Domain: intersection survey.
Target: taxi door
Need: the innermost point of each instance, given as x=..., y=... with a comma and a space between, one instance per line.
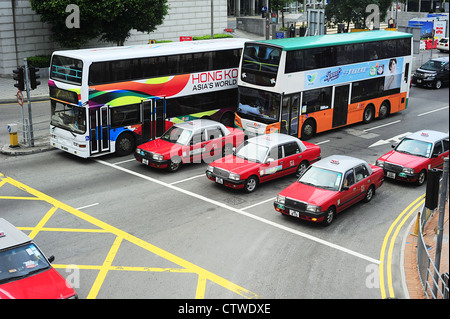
x=273, y=168
x=197, y=146
x=349, y=192
x=213, y=148
x=438, y=155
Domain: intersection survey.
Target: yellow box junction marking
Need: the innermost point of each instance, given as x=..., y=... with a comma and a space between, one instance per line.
x=186, y=267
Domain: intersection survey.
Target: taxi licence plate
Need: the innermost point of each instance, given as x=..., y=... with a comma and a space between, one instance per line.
x=219, y=180
x=294, y=213
x=145, y=161
x=390, y=174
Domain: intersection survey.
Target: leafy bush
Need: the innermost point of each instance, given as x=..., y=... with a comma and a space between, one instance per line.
x=216, y=36
x=39, y=61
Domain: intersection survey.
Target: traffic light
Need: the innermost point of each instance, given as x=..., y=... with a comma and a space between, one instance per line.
x=19, y=77
x=34, y=74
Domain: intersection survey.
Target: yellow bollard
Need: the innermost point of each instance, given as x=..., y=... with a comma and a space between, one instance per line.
x=416, y=228
x=13, y=139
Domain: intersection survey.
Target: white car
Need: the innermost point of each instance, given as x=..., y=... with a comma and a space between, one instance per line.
x=443, y=45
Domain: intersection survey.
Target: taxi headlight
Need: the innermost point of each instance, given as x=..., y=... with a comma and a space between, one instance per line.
x=210, y=168
x=313, y=208
x=157, y=157
x=281, y=199
x=234, y=176
x=408, y=170
x=380, y=163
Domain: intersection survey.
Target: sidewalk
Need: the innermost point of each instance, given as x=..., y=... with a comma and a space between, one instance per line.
x=413, y=282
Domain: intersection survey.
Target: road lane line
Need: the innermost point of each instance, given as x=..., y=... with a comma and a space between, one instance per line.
x=104, y=268
x=385, y=242
x=241, y=212
x=188, y=179
x=87, y=206
x=391, y=248
x=260, y=203
x=440, y=109
x=42, y=222
x=188, y=267
x=379, y=126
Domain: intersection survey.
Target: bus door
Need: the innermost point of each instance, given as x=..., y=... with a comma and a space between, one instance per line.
x=340, y=105
x=290, y=114
x=153, y=118
x=100, y=124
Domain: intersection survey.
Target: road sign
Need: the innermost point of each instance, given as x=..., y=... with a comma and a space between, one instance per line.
x=19, y=96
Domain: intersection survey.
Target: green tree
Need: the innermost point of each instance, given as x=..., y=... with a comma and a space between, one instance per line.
x=278, y=5
x=348, y=11
x=109, y=20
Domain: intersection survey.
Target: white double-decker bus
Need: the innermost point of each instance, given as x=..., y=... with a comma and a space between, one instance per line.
x=107, y=100
x=302, y=86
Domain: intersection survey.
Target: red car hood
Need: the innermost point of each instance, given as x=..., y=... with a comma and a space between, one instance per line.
x=308, y=194
x=48, y=284
x=235, y=164
x=403, y=159
x=161, y=147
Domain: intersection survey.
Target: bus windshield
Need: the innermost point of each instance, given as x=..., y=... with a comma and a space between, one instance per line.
x=69, y=117
x=261, y=58
x=66, y=69
x=259, y=105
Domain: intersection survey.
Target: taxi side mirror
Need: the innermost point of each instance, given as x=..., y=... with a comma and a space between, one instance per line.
x=51, y=259
x=393, y=145
x=345, y=188
x=269, y=160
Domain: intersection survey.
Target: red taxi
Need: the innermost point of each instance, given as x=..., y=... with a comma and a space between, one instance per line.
x=189, y=142
x=411, y=159
x=261, y=159
x=328, y=187
x=25, y=273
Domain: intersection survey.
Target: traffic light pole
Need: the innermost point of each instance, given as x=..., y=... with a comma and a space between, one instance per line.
x=30, y=119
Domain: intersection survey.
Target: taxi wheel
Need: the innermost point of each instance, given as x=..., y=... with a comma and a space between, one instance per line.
x=421, y=178
x=369, y=194
x=174, y=165
x=227, y=150
x=329, y=217
x=302, y=167
x=250, y=184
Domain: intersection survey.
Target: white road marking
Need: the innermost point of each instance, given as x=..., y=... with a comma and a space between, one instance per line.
x=442, y=108
x=188, y=179
x=126, y=161
x=257, y=204
x=241, y=212
x=83, y=207
x=374, y=128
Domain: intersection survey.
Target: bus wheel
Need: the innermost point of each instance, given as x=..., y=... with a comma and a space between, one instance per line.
x=125, y=144
x=384, y=111
x=369, y=114
x=228, y=119
x=308, y=130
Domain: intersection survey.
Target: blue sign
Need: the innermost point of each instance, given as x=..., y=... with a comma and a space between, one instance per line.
x=391, y=69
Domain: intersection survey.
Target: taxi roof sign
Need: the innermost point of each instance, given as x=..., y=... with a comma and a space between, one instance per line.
x=333, y=161
x=2, y=233
x=11, y=235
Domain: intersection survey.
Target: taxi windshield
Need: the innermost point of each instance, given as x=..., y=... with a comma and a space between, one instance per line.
x=414, y=147
x=252, y=152
x=177, y=135
x=321, y=178
x=21, y=262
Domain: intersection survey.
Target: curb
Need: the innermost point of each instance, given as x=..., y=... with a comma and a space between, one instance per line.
x=40, y=145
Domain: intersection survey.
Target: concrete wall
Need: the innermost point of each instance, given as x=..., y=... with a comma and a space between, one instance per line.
x=32, y=37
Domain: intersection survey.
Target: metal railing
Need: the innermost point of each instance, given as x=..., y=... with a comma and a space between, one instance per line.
x=434, y=283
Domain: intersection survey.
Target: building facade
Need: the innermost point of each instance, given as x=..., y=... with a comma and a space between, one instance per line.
x=22, y=34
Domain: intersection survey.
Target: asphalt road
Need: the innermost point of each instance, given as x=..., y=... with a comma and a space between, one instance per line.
x=136, y=232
